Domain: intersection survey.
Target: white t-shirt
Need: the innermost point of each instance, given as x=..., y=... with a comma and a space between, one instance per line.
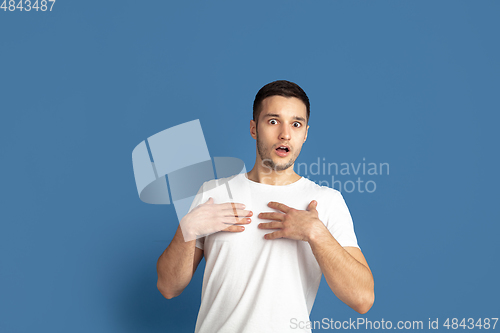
x=255, y=285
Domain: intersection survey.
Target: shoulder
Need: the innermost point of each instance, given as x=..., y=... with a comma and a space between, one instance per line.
x=216, y=188
x=214, y=183
x=325, y=192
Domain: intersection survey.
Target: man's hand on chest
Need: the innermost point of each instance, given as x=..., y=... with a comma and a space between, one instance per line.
x=292, y=223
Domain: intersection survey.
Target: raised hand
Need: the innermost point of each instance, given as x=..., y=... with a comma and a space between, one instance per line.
x=292, y=223
x=209, y=218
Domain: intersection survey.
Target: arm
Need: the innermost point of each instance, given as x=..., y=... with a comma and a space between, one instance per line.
x=345, y=269
x=176, y=265
x=179, y=261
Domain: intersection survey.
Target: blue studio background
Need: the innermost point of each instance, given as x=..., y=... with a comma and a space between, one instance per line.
x=410, y=83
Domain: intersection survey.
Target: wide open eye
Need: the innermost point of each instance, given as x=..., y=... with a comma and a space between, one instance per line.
x=273, y=121
x=297, y=124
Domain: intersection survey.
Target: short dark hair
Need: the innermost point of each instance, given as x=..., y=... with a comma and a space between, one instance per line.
x=279, y=88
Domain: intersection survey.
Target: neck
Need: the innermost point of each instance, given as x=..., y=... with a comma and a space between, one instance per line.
x=265, y=175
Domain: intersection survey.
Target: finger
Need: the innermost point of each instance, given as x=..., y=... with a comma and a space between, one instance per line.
x=232, y=205
x=210, y=201
x=272, y=216
x=279, y=206
x=274, y=235
x=234, y=220
x=312, y=205
x=238, y=212
x=271, y=225
x=234, y=228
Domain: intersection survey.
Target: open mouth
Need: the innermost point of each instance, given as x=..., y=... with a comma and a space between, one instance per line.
x=282, y=150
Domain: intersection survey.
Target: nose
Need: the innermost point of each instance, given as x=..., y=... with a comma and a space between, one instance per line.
x=285, y=132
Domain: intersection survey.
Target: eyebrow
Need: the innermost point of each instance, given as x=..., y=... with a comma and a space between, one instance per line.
x=278, y=116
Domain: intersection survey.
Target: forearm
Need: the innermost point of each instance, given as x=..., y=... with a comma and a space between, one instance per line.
x=175, y=266
x=348, y=278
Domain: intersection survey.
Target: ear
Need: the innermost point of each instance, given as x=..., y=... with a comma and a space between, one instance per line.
x=253, y=129
x=307, y=130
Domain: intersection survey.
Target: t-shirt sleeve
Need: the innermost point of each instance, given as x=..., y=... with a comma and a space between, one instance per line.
x=200, y=242
x=198, y=199
x=339, y=221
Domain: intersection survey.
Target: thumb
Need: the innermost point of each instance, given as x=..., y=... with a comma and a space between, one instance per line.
x=312, y=205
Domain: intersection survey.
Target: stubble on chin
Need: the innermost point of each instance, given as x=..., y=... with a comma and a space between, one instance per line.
x=265, y=156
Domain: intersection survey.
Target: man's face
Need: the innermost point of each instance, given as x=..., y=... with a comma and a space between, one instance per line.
x=280, y=132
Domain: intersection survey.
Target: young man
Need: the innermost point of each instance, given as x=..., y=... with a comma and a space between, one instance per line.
x=263, y=271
